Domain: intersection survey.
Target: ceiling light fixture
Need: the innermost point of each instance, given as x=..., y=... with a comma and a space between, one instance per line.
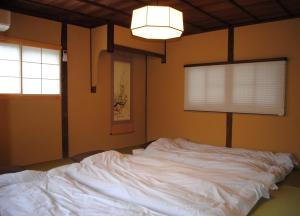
x=157, y=22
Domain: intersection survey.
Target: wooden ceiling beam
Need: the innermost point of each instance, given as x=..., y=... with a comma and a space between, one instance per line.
x=199, y=9
x=244, y=10
x=201, y=28
x=284, y=8
x=248, y=23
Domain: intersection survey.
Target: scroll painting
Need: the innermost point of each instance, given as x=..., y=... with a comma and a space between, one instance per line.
x=121, y=96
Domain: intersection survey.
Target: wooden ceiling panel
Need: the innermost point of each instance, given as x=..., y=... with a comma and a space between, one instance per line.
x=199, y=16
x=76, y=6
x=265, y=9
x=291, y=6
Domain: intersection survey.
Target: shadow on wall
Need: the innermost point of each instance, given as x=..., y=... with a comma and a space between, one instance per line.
x=5, y=153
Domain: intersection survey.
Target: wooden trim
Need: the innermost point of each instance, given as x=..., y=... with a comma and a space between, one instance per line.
x=201, y=28
x=93, y=88
x=230, y=55
x=146, y=98
x=110, y=37
x=237, y=62
x=229, y=129
x=252, y=22
x=64, y=93
x=28, y=96
x=24, y=42
x=230, y=59
x=164, y=59
x=138, y=51
x=240, y=113
x=285, y=90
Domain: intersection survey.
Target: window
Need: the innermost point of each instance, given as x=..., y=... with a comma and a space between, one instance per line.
x=29, y=70
x=242, y=88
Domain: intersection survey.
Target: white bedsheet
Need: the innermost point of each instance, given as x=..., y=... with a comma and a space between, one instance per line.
x=172, y=188
x=170, y=177
x=56, y=193
x=234, y=160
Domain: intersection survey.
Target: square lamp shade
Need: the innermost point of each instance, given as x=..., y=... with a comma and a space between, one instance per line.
x=157, y=22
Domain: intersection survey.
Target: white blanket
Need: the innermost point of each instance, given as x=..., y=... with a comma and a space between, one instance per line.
x=57, y=193
x=171, y=177
x=235, y=160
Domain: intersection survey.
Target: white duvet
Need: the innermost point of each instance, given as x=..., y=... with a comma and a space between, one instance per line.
x=232, y=160
x=168, y=178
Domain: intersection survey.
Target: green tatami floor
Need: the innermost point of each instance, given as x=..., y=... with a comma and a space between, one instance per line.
x=283, y=202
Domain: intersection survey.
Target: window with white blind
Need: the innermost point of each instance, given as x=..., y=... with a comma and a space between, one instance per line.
x=29, y=70
x=257, y=87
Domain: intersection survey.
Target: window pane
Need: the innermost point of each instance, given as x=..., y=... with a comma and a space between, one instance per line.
x=9, y=51
x=10, y=85
x=31, y=86
x=50, y=86
x=31, y=54
x=51, y=71
x=31, y=70
x=50, y=56
x=9, y=68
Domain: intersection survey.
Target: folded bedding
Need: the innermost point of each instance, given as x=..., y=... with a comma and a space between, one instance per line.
x=244, y=161
x=169, y=177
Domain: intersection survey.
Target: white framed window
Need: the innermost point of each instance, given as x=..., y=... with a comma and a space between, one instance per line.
x=29, y=70
x=256, y=87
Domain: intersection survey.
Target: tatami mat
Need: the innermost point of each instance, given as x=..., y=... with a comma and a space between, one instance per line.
x=283, y=202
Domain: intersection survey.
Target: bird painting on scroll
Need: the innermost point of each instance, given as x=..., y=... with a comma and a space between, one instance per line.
x=121, y=91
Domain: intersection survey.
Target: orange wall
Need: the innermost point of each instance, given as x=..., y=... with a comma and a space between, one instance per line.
x=269, y=132
x=90, y=114
x=124, y=37
x=167, y=118
x=30, y=129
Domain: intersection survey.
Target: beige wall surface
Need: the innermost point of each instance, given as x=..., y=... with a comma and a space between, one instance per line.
x=30, y=129
x=90, y=114
x=166, y=88
x=33, y=28
x=124, y=37
x=276, y=39
x=31, y=125
x=166, y=117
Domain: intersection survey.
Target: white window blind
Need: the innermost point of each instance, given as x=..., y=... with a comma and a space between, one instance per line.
x=29, y=70
x=242, y=88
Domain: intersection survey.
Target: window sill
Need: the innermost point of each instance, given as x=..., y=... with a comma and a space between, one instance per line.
x=28, y=96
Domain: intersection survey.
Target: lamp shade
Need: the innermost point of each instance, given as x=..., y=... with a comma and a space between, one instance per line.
x=157, y=22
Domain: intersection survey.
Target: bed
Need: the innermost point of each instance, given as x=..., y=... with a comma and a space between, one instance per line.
x=169, y=177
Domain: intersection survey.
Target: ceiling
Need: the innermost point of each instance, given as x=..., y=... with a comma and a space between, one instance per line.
x=199, y=15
